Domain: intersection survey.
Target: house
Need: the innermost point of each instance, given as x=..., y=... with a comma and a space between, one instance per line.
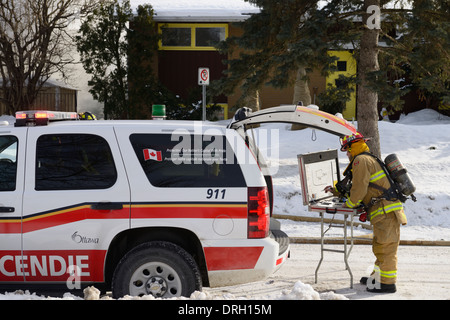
x=346, y=66
x=54, y=96
x=189, y=30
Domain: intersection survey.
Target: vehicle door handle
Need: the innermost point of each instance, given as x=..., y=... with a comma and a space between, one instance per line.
x=106, y=206
x=6, y=209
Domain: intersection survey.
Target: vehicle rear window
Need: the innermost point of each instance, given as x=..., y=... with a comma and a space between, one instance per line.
x=74, y=162
x=187, y=160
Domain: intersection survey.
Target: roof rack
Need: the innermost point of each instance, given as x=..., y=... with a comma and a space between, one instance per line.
x=42, y=118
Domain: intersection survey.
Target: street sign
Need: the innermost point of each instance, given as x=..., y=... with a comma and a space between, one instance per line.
x=203, y=76
x=203, y=80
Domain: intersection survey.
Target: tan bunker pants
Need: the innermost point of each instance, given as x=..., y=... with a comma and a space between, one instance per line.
x=386, y=238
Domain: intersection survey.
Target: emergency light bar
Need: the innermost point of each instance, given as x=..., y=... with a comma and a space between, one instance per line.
x=41, y=118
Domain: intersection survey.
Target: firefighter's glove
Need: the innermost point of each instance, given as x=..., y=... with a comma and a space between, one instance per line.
x=363, y=217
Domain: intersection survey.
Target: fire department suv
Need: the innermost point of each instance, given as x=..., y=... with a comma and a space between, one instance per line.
x=139, y=207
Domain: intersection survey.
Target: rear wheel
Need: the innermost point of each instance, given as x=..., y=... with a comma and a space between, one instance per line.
x=159, y=268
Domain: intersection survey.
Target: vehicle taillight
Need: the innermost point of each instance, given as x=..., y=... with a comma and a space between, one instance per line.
x=258, y=212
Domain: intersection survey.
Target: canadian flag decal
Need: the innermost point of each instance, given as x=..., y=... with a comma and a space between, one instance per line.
x=150, y=154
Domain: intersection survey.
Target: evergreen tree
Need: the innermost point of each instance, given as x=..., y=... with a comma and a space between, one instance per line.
x=117, y=48
x=144, y=88
x=291, y=34
x=416, y=56
x=268, y=50
x=103, y=49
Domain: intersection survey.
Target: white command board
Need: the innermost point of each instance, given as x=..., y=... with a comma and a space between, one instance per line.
x=318, y=170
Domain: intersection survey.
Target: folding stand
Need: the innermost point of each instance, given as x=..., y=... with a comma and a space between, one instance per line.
x=318, y=170
x=348, y=215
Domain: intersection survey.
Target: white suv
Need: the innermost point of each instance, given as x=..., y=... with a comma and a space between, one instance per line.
x=136, y=207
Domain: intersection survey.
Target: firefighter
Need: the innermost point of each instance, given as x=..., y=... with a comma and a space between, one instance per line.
x=368, y=180
x=87, y=116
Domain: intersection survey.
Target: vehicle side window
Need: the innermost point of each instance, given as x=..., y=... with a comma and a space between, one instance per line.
x=188, y=161
x=74, y=162
x=8, y=163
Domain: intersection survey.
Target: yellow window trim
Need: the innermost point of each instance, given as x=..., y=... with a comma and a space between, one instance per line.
x=191, y=26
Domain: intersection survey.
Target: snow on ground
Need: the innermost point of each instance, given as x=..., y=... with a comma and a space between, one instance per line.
x=420, y=139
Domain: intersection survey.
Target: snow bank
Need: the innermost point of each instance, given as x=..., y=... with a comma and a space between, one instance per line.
x=26, y=295
x=300, y=291
x=424, y=117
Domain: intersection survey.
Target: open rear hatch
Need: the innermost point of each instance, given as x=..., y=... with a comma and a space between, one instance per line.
x=306, y=116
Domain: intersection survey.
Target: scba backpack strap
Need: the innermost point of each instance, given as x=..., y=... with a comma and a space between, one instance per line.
x=393, y=192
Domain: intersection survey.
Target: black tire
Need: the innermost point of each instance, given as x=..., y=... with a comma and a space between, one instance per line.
x=160, y=268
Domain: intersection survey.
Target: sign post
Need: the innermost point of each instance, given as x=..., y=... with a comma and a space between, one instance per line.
x=203, y=80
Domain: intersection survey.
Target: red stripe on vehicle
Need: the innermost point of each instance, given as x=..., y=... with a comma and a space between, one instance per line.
x=232, y=258
x=69, y=216
x=193, y=211
x=59, y=217
x=52, y=266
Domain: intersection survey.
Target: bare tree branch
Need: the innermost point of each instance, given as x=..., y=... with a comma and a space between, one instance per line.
x=34, y=45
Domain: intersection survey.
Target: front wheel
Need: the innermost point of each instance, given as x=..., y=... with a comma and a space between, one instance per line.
x=159, y=268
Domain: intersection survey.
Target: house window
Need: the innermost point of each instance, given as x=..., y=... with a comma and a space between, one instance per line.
x=342, y=66
x=339, y=84
x=209, y=37
x=177, y=36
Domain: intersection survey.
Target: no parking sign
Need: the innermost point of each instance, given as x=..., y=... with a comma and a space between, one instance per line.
x=203, y=80
x=203, y=76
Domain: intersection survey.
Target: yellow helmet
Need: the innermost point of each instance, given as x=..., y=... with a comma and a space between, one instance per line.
x=348, y=140
x=87, y=116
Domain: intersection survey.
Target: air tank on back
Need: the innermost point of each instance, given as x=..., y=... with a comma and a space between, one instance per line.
x=399, y=174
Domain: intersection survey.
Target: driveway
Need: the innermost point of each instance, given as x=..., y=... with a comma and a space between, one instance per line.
x=423, y=273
